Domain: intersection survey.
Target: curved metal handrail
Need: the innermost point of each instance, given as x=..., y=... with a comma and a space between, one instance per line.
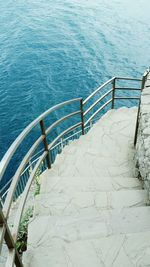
x=97, y=111
x=109, y=91
x=5, y=160
x=49, y=129
x=129, y=79
x=97, y=101
x=17, y=221
x=9, y=198
x=97, y=90
x=63, y=133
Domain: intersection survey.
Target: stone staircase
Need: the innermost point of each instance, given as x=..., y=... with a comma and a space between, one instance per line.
x=91, y=211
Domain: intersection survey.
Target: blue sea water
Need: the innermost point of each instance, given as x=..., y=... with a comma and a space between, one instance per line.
x=51, y=51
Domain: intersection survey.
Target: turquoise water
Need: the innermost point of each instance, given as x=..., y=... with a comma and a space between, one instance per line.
x=51, y=51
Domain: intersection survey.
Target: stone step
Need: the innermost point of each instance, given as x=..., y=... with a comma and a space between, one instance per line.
x=66, y=203
x=50, y=182
x=89, y=144
x=88, y=224
x=130, y=250
x=89, y=164
x=94, y=161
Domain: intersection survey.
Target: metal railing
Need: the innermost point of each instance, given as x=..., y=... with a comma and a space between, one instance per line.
x=88, y=111
x=110, y=96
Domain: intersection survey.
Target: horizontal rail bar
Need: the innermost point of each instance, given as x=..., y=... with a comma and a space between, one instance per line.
x=16, y=177
x=24, y=196
x=18, y=216
x=5, y=160
x=127, y=89
x=2, y=189
x=128, y=78
x=63, y=133
x=97, y=101
x=96, y=112
x=3, y=195
x=61, y=120
x=67, y=138
x=97, y=90
x=78, y=132
x=27, y=168
x=127, y=98
x=41, y=150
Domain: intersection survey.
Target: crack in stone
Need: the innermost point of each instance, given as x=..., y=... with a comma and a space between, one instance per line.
x=118, y=252
x=68, y=258
x=100, y=258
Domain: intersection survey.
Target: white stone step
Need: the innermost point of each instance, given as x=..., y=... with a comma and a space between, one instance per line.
x=98, y=143
x=66, y=203
x=131, y=250
x=88, y=224
x=51, y=183
x=89, y=162
x=90, y=165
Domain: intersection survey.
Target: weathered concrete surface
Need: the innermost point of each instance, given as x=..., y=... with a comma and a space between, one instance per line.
x=143, y=140
x=91, y=210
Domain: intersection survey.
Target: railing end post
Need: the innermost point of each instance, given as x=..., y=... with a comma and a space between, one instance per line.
x=45, y=144
x=113, y=92
x=48, y=161
x=82, y=116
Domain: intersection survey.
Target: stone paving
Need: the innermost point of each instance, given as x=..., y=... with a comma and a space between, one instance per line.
x=91, y=211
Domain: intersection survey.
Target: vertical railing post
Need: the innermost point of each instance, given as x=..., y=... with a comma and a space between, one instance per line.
x=113, y=92
x=137, y=124
x=45, y=144
x=91, y=124
x=143, y=82
x=82, y=117
x=30, y=166
x=61, y=142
